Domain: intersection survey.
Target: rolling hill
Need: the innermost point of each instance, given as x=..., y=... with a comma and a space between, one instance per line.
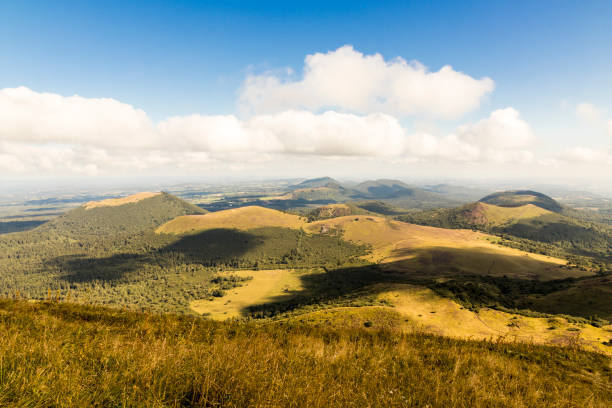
x=242, y=218
x=526, y=215
x=392, y=192
x=111, y=254
x=469, y=266
x=126, y=215
x=417, y=248
x=519, y=198
x=316, y=183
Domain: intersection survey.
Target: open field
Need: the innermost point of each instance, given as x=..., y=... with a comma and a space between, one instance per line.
x=265, y=286
x=56, y=354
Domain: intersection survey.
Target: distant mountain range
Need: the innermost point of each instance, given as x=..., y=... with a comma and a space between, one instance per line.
x=393, y=192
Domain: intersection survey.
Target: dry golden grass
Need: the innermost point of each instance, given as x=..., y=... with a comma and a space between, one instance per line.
x=243, y=218
x=114, y=202
x=73, y=356
x=266, y=286
x=432, y=313
x=411, y=308
x=423, y=249
x=496, y=215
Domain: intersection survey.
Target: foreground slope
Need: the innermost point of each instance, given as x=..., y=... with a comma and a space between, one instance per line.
x=73, y=356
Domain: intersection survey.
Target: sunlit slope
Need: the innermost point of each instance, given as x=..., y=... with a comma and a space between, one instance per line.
x=115, y=202
x=494, y=215
x=414, y=308
x=59, y=354
x=243, y=218
x=408, y=308
x=265, y=286
x=431, y=250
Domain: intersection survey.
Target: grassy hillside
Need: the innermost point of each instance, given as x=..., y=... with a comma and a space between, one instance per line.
x=240, y=218
x=73, y=356
x=562, y=235
x=497, y=216
x=420, y=249
x=475, y=215
x=314, y=296
x=335, y=210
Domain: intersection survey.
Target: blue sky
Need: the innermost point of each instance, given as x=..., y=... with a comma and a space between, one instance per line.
x=181, y=58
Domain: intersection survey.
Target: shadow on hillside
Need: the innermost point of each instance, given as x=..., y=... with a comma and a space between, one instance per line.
x=6, y=227
x=443, y=261
x=273, y=204
x=217, y=246
x=578, y=239
x=471, y=277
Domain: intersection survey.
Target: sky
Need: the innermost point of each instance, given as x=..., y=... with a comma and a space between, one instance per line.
x=435, y=89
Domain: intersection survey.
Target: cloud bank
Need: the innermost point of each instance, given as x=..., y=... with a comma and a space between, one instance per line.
x=345, y=106
x=348, y=80
x=48, y=132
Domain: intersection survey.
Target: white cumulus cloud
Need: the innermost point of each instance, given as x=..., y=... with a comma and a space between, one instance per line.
x=586, y=155
x=330, y=133
x=29, y=116
x=348, y=80
x=47, y=133
x=504, y=129
x=588, y=112
x=502, y=137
